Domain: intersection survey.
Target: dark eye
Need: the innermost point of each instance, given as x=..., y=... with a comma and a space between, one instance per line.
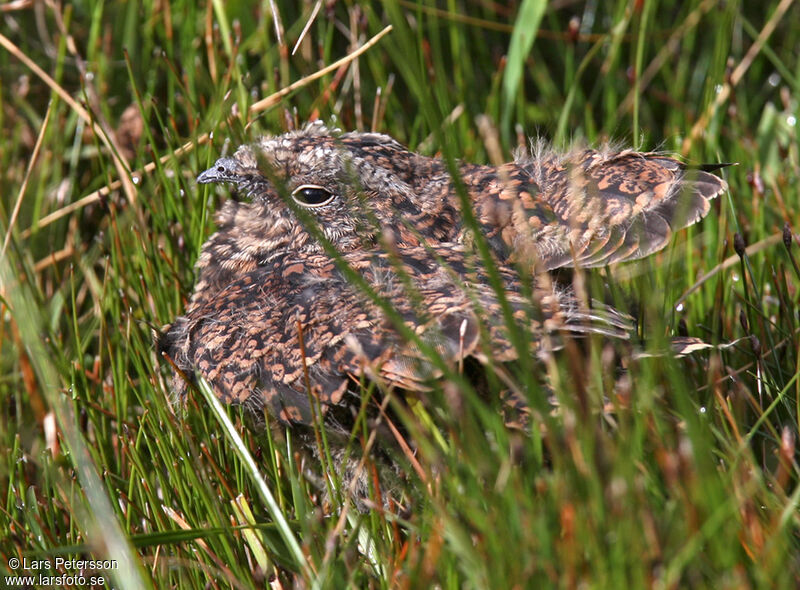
x=310, y=195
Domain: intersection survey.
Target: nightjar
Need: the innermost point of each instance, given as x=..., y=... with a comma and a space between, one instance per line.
x=276, y=319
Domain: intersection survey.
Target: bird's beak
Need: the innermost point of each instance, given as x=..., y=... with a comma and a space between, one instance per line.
x=224, y=170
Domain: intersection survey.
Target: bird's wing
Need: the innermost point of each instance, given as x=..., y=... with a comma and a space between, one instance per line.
x=443, y=293
x=592, y=208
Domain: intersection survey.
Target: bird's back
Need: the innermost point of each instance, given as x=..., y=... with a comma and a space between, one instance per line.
x=587, y=208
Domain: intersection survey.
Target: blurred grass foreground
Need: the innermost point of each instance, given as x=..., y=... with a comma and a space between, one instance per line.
x=671, y=473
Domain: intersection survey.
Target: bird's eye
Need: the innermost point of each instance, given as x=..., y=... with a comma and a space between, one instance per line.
x=310, y=195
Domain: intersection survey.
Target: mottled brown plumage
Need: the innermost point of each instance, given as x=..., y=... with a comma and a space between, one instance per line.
x=264, y=281
x=245, y=339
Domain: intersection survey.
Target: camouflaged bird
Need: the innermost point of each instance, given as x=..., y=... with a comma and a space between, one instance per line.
x=274, y=320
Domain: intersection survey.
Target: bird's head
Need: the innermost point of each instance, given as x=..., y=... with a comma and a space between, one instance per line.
x=352, y=185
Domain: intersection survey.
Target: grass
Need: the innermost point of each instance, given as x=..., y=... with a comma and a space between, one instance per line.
x=688, y=479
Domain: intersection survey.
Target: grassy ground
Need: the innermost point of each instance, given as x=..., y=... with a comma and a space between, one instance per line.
x=688, y=477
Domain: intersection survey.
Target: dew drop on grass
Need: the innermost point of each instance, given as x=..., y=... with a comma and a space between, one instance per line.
x=135, y=179
x=774, y=79
x=702, y=409
x=791, y=120
x=679, y=307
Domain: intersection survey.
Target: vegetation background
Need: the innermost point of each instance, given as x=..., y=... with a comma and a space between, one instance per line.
x=678, y=473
